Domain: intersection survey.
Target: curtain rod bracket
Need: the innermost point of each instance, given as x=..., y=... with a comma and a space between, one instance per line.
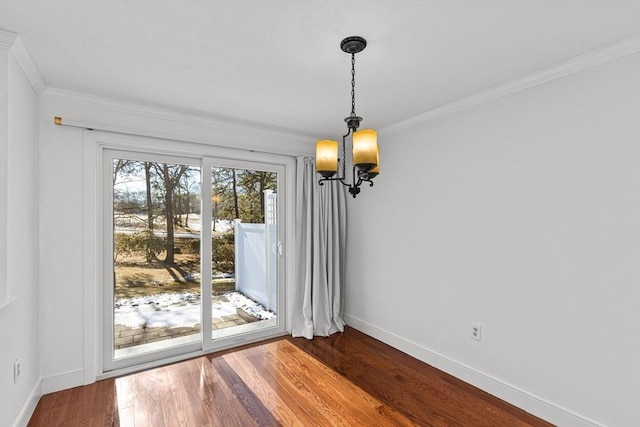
x=58, y=121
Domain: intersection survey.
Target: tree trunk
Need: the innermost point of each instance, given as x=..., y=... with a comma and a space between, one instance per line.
x=168, y=203
x=214, y=214
x=236, y=208
x=147, y=177
x=178, y=206
x=187, y=208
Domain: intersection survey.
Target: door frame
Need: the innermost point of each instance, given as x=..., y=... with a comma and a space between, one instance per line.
x=95, y=144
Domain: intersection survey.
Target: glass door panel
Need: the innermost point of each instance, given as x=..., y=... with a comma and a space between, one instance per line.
x=155, y=293
x=244, y=250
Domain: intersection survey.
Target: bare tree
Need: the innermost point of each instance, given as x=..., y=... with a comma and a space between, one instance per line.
x=147, y=177
x=253, y=184
x=171, y=175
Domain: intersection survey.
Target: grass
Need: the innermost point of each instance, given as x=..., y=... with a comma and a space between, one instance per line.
x=134, y=277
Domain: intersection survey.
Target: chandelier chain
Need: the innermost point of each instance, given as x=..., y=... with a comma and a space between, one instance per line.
x=353, y=85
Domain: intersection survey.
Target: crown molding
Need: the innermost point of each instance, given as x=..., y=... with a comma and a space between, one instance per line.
x=13, y=43
x=587, y=60
x=25, y=61
x=7, y=38
x=159, y=113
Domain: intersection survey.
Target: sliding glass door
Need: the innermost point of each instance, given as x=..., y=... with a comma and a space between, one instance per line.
x=192, y=255
x=245, y=250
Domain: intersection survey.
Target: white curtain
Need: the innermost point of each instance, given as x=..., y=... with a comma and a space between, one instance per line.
x=320, y=248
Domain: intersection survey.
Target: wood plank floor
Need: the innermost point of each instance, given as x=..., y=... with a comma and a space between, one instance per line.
x=348, y=379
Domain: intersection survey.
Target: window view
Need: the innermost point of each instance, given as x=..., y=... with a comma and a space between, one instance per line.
x=157, y=222
x=156, y=256
x=244, y=250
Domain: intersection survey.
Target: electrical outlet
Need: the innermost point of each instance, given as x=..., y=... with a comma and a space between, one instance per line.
x=16, y=370
x=476, y=332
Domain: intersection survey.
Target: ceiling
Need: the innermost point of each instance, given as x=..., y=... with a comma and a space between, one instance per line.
x=279, y=64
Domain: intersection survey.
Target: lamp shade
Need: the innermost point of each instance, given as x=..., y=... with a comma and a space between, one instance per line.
x=326, y=157
x=365, y=149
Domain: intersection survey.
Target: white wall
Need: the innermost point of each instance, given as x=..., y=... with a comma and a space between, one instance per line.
x=19, y=333
x=521, y=215
x=61, y=260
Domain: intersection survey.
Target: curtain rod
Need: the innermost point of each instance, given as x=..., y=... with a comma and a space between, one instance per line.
x=57, y=120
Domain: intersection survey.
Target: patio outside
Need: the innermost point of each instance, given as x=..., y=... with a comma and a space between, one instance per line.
x=155, y=303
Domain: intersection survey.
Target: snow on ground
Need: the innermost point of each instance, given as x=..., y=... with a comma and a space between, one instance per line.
x=136, y=222
x=180, y=310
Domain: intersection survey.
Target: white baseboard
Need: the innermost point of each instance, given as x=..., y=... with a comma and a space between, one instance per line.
x=62, y=381
x=29, y=406
x=44, y=385
x=507, y=392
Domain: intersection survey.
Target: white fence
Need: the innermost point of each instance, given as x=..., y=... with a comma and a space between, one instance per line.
x=256, y=257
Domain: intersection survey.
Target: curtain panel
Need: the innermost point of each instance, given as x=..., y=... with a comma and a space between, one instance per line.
x=321, y=248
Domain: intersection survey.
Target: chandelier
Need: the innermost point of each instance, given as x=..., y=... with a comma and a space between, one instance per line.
x=364, y=142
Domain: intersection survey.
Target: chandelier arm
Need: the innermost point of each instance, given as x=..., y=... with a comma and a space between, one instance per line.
x=366, y=180
x=339, y=179
x=365, y=177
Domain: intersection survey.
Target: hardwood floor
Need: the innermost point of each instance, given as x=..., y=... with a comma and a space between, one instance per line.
x=348, y=379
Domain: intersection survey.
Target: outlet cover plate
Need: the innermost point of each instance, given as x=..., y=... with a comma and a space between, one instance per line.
x=475, y=332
